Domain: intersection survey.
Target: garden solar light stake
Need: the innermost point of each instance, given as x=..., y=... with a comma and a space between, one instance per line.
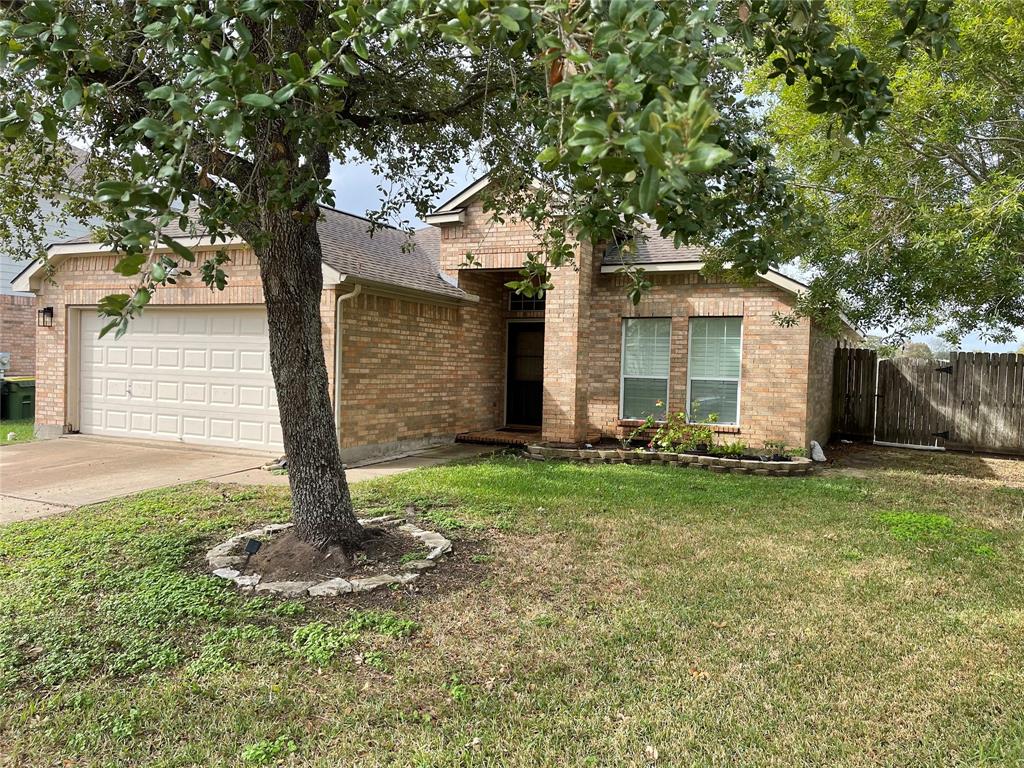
x=252, y=546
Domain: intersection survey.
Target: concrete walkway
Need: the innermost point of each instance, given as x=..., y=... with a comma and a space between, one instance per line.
x=47, y=477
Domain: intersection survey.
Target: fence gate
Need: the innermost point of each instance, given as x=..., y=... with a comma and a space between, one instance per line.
x=913, y=402
x=973, y=402
x=853, y=393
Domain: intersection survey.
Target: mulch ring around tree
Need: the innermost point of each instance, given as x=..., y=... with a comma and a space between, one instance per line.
x=397, y=553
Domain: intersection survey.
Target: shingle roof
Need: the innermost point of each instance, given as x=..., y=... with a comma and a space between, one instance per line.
x=388, y=256
x=652, y=248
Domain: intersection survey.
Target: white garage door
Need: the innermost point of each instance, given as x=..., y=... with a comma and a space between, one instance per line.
x=192, y=375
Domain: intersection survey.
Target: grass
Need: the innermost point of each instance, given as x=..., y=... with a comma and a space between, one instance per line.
x=618, y=616
x=23, y=430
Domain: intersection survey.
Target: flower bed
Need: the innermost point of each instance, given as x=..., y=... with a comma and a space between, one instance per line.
x=795, y=465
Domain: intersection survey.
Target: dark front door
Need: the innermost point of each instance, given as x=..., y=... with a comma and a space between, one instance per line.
x=525, y=389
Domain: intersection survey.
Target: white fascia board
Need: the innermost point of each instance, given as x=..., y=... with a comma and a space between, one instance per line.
x=55, y=254
x=453, y=217
x=390, y=289
x=674, y=266
x=332, y=276
x=457, y=202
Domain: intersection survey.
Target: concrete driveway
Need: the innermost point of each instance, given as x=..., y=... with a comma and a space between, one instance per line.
x=48, y=476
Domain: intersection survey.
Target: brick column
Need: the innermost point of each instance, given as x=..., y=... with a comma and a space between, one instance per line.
x=566, y=338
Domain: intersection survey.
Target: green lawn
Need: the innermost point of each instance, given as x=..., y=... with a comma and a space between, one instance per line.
x=592, y=616
x=22, y=429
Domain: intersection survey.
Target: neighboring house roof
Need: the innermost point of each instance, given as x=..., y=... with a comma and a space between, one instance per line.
x=388, y=257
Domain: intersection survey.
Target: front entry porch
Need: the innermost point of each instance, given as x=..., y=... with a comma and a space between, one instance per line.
x=516, y=437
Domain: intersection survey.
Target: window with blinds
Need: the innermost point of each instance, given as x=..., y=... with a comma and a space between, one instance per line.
x=645, y=360
x=713, y=372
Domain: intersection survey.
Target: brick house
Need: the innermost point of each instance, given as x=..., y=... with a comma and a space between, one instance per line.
x=421, y=348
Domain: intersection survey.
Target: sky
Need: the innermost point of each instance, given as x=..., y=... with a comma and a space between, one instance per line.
x=355, y=189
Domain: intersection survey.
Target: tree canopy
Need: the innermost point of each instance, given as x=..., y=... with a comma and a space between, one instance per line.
x=222, y=116
x=920, y=227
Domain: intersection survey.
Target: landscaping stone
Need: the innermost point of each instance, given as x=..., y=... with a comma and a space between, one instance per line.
x=225, y=561
x=421, y=565
x=373, y=582
x=331, y=588
x=221, y=557
x=286, y=588
x=816, y=453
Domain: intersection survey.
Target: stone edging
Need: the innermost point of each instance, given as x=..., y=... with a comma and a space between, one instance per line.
x=223, y=559
x=798, y=465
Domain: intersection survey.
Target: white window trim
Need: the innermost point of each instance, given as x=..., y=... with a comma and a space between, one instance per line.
x=689, y=369
x=622, y=365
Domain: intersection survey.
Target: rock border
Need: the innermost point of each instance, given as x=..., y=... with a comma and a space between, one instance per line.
x=223, y=559
x=795, y=467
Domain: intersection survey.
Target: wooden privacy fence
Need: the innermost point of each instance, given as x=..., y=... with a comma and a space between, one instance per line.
x=975, y=401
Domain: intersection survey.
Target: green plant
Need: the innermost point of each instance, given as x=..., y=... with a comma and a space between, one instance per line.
x=267, y=752
x=458, y=690
x=319, y=642
x=732, y=450
x=648, y=424
x=410, y=557
x=676, y=434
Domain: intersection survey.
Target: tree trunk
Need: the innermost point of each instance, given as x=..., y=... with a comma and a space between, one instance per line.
x=290, y=267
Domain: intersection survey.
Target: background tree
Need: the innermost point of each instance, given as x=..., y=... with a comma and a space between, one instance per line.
x=921, y=227
x=917, y=349
x=223, y=116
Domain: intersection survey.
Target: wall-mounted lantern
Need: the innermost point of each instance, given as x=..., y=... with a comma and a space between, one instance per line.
x=45, y=317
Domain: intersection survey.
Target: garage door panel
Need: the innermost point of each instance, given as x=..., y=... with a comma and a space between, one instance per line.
x=168, y=358
x=195, y=374
x=194, y=360
x=142, y=357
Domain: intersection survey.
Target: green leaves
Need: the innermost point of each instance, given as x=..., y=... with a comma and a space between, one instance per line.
x=73, y=94
x=705, y=157
x=258, y=100
x=648, y=193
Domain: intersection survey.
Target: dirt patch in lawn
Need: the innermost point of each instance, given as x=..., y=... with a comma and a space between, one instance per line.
x=286, y=557
x=862, y=460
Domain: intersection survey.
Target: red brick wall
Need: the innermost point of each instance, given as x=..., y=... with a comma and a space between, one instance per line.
x=773, y=386
x=18, y=333
x=398, y=363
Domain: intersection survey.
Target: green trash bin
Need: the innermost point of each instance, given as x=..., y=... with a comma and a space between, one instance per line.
x=18, y=398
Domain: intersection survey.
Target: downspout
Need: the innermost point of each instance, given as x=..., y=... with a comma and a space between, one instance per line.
x=337, y=358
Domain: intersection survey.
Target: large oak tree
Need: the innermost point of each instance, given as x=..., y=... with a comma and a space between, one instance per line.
x=223, y=116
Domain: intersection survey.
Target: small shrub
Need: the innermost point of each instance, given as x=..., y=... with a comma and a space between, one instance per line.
x=677, y=434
